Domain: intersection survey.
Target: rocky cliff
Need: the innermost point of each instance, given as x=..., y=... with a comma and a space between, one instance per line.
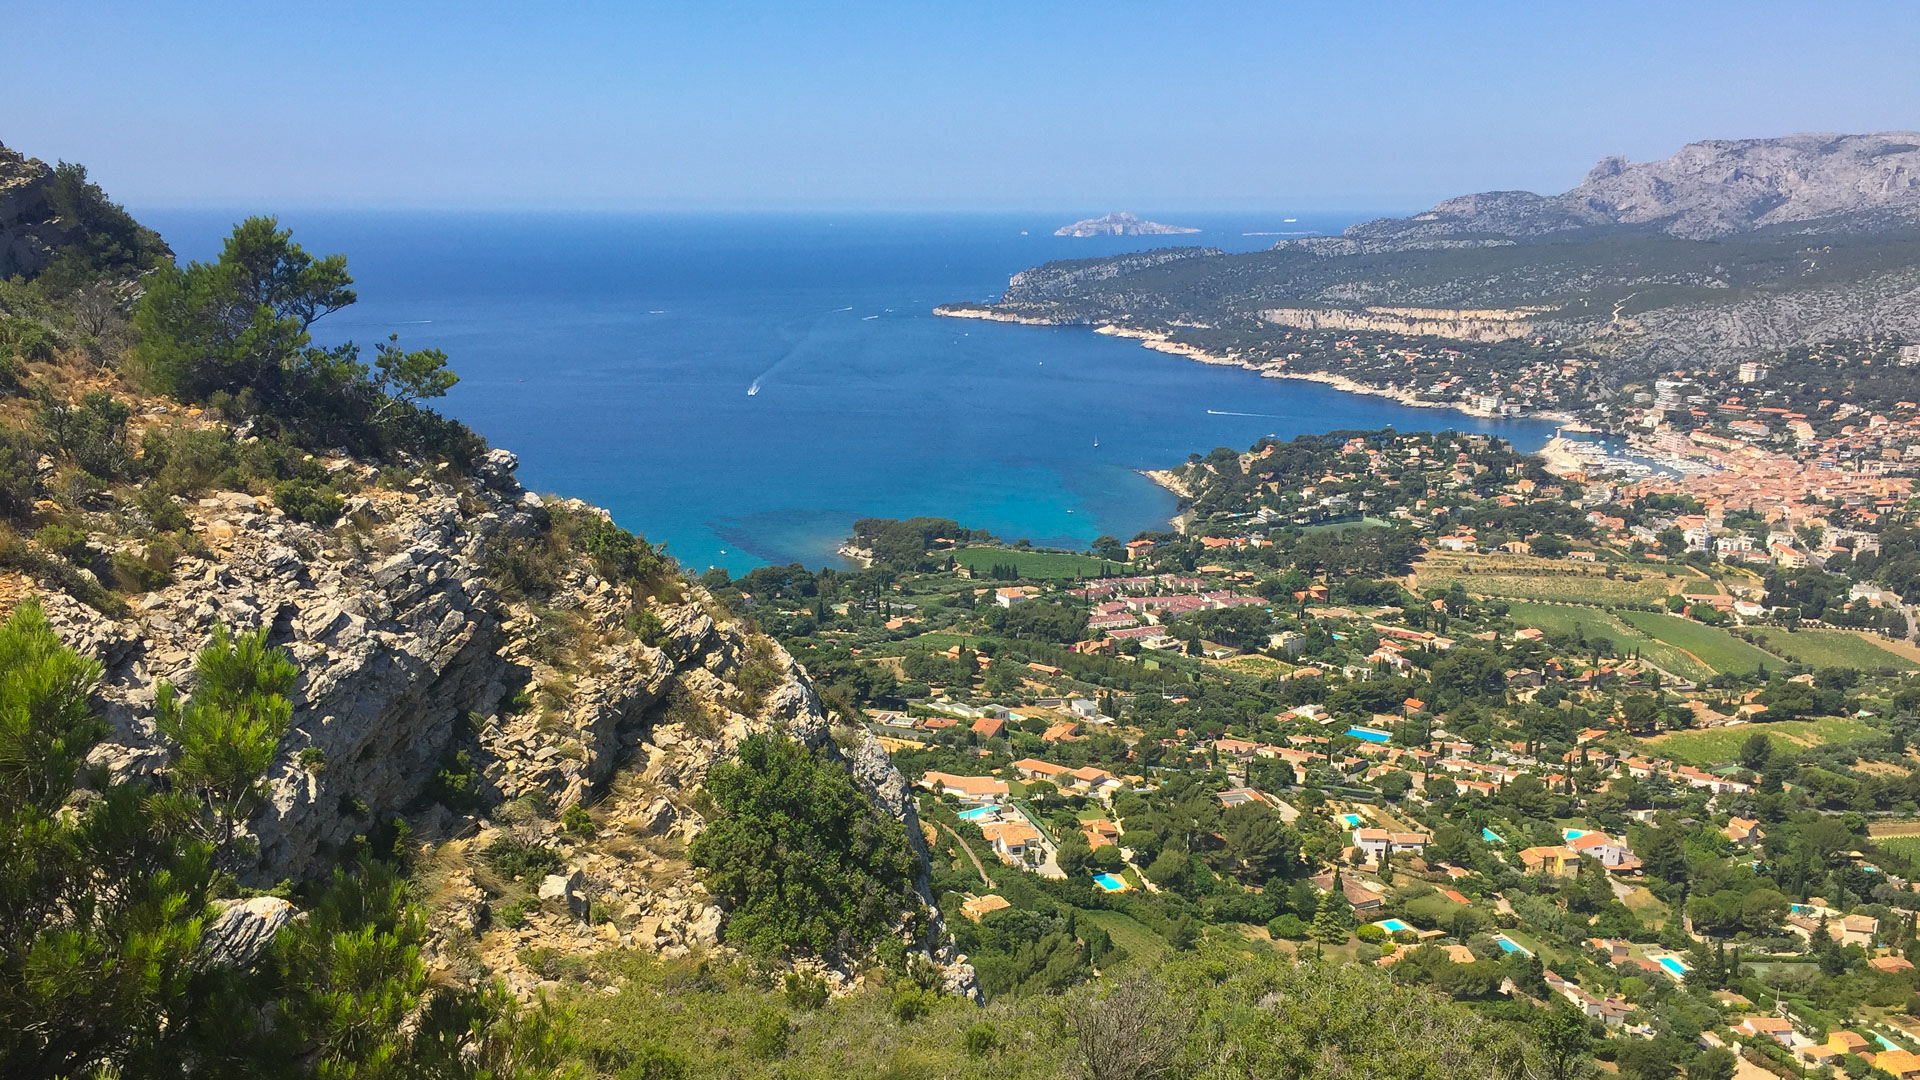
x=427, y=682
x=1815, y=183
x=29, y=234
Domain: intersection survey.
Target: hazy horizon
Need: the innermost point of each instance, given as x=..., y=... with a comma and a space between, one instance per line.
x=874, y=106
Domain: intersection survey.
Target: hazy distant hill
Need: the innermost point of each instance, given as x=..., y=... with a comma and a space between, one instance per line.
x=1723, y=248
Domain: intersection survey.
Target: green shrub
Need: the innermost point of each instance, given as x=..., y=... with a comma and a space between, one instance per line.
x=653, y=1062
x=805, y=992
x=91, y=431
x=799, y=855
x=576, y=821
x=161, y=510
x=1290, y=927
x=911, y=1002
x=768, y=1035
x=980, y=1039
x=512, y=857
x=514, y=912
x=308, y=502
x=65, y=541
x=456, y=785
x=648, y=627
x=144, y=572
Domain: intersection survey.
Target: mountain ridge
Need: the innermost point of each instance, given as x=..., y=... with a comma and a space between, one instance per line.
x=1705, y=190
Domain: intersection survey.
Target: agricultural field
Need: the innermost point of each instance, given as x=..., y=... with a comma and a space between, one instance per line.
x=1713, y=646
x=1522, y=577
x=1040, y=565
x=1127, y=932
x=1835, y=648
x=1717, y=746
x=1265, y=667
x=1907, y=847
x=1594, y=623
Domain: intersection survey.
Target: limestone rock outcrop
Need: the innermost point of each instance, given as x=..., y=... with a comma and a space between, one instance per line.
x=421, y=672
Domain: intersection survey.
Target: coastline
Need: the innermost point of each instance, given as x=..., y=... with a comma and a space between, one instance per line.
x=1159, y=341
x=1169, y=479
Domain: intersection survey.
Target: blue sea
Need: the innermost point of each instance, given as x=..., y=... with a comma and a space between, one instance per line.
x=614, y=354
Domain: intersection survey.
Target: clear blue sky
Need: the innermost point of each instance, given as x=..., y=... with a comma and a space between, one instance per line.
x=911, y=104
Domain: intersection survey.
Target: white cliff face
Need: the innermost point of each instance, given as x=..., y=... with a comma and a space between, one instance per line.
x=409, y=653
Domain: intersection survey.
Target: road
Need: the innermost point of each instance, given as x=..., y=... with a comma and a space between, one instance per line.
x=977, y=866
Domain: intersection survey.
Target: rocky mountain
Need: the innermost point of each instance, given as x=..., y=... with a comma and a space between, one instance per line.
x=46, y=210
x=1724, y=248
x=1120, y=223
x=1812, y=183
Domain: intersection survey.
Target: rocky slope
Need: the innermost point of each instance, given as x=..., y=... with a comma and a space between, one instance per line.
x=416, y=663
x=29, y=235
x=1807, y=182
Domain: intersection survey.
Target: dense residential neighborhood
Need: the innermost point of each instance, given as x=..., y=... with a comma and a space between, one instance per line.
x=1625, y=732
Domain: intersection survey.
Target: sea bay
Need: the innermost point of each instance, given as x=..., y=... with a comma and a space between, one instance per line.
x=614, y=353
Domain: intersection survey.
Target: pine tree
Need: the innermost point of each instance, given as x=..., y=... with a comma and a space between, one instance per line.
x=1329, y=920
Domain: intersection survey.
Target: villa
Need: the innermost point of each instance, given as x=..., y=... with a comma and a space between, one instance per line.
x=986, y=788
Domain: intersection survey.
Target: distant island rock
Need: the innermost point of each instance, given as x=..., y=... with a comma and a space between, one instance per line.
x=1120, y=224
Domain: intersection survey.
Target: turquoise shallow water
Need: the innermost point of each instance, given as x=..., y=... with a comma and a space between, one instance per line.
x=614, y=353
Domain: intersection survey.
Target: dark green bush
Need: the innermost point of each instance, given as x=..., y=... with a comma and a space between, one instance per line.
x=308, y=502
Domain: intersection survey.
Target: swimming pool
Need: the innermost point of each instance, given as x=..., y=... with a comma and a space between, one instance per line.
x=1109, y=883
x=1573, y=834
x=1507, y=944
x=1370, y=734
x=1882, y=1040
x=1490, y=836
x=1352, y=821
x=1676, y=967
x=977, y=813
x=1392, y=926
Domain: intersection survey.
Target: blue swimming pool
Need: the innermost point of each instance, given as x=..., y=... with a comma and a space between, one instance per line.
x=1109, y=882
x=1507, y=944
x=1373, y=735
x=1490, y=836
x=1392, y=926
x=976, y=813
x=1676, y=967
x=1573, y=834
x=1882, y=1040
